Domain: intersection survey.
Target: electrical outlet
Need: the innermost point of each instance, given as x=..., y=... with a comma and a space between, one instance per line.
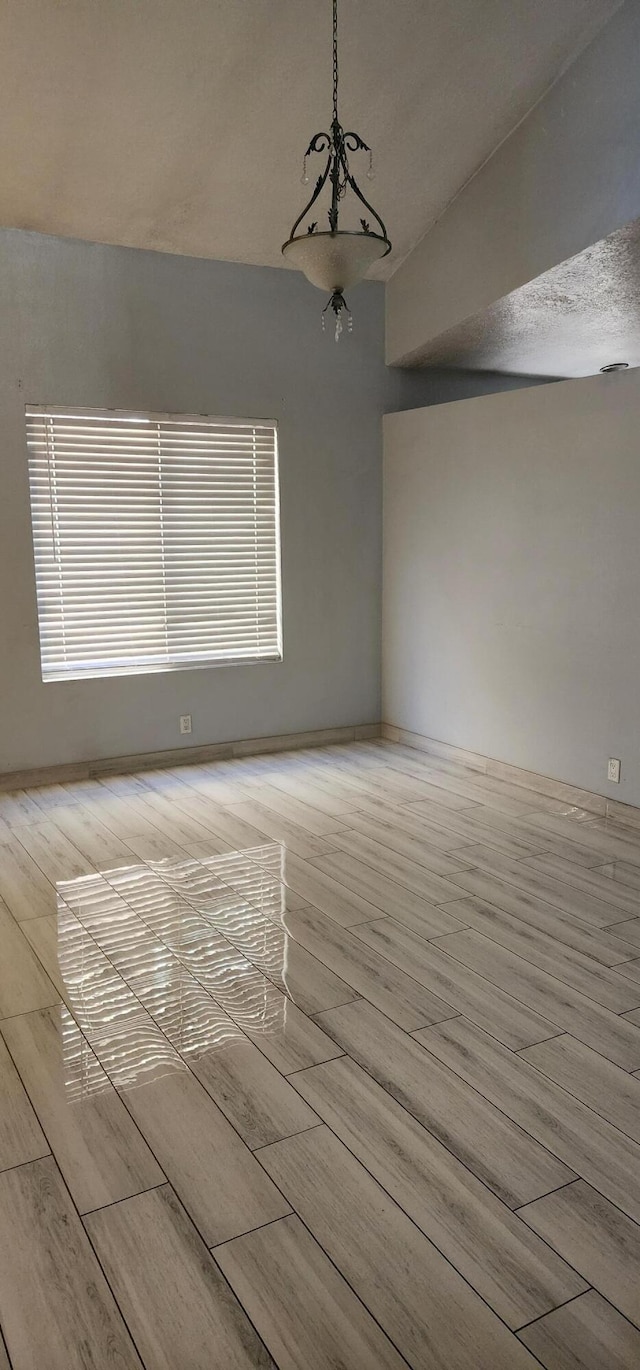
x=185, y=724
x=613, y=770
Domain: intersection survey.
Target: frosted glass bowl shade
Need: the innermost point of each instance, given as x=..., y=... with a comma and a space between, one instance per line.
x=334, y=261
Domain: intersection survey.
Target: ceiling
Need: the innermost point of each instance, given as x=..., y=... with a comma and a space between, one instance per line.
x=571, y=321
x=180, y=125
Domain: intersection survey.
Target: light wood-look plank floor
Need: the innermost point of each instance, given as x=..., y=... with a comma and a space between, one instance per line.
x=325, y=1060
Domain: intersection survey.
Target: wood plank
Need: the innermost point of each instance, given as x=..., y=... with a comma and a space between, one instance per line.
x=385, y=806
x=629, y=931
x=397, y=810
x=543, y=888
x=300, y=1304
x=415, y=841
x=220, y=1183
x=256, y=877
x=398, y=995
x=423, y=1305
x=495, y=1149
x=483, y=1239
x=234, y=831
x=582, y=972
x=603, y=844
x=123, y=784
x=588, y=1334
x=574, y=847
x=118, y=814
x=223, y=990
x=180, y=1310
x=286, y=1036
x=575, y=1134
x=319, y=889
x=21, y=1137
x=607, y=1089
x=26, y=891
x=629, y=968
x=99, y=1149
x=207, y=782
x=23, y=983
x=305, y=785
x=55, y=1305
x=49, y=797
x=591, y=882
x=387, y=895
x=166, y=815
x=435, y=884
x=395, y=779
x=310, y=820
x=431, y=789
x=52, y=851
x=193, y=957
x=253, y=1095
x=529, y=916
x=282, y=829
x=459, y=782
x=149, y=847
x=162, y=780
x=596, y=1238
x=511, y=1022
x=90, y=836
x=301, y=976
x=575, y=1013
x=621, y=873
x=470, y=828
x=17, y=807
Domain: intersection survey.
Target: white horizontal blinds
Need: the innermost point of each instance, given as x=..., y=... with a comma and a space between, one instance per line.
x=156, y=540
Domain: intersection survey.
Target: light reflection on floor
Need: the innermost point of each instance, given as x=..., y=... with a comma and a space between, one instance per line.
x=165, y=961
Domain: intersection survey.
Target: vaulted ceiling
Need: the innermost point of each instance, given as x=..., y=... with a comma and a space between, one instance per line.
x=180, y=124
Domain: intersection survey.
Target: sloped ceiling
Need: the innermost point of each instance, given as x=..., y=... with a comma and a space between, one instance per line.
x=180, y=125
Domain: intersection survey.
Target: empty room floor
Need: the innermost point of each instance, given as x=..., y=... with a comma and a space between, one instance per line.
x=327, y=1060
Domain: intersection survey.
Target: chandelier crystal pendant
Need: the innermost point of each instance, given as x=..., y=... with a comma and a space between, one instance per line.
x=336, y=258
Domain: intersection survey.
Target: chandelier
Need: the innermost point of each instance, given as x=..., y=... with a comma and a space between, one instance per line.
x=336, y=258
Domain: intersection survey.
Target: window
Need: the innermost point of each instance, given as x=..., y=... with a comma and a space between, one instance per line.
x=156, y=541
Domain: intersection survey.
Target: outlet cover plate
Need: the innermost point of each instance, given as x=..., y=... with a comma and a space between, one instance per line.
x=185, y=723
x=613, y=770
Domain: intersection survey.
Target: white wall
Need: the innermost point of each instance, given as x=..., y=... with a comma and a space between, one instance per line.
x=511, y=618
x=568, y=176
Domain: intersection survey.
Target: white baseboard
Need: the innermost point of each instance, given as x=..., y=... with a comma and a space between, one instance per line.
x=598, y=804
x=181, y=756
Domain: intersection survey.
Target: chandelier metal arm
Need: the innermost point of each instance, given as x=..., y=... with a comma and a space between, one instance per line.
x=358, y=144
x=316, y=145
x=363, y=200
x=319, y=183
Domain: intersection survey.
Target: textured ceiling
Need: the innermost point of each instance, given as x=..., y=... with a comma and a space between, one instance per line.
x=571, y=321
x=180, y=124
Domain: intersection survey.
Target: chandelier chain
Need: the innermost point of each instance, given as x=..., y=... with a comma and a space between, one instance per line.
x=335, y=61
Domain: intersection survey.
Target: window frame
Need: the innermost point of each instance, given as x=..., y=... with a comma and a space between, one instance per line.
x=95, y=671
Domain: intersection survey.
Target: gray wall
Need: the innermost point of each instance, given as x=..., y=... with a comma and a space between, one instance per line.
x=511, y=620
x=82, y=324
x=568, y=176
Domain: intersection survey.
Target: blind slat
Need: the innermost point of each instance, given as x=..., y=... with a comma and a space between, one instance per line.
x=156, y=540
